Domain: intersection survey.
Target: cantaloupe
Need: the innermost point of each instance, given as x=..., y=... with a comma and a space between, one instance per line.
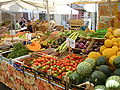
x=94, y=55
x=111, y=60
x=108, y=43
x=35, y=46
x=116, y=32
x=115, y=48
x=108, y=53
x=110, y=29
x=115, y=44
x=102, y=48
x=118, y=53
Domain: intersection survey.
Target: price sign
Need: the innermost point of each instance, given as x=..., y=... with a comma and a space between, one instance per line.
x=72, y=43
x=68, y=42
x=28, y=36
x=12, y=32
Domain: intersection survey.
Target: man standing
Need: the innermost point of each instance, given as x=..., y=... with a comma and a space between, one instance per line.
x=22, y=22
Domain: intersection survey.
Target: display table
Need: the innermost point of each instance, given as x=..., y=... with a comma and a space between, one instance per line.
x=16, y=80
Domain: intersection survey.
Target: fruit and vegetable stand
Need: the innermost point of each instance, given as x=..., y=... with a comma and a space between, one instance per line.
x=28, y=66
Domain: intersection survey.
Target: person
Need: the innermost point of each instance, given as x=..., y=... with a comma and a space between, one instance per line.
x=17, y=25
x=29, y=26
x=22, y=22
x=52, y=24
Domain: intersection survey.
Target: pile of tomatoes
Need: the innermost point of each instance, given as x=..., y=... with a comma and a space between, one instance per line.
x=58, y=67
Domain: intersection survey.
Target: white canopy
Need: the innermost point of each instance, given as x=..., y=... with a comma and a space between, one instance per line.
x=16, y=5
x=62, y=2
x=64, y=9
x=90, y=7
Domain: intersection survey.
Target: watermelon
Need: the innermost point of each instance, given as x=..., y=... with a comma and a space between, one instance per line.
x=75, y=78
x=100, y=87
x=91, y=61
x=105, y=69
x=113, y=82
x=116, y=62
x=98, y=78
x=101, y=61
x=117, y=72
x=84, y=69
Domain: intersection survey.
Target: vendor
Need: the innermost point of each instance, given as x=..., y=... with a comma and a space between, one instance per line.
x=17, y=25
x=52, y=24
x=29, y=26
x=22, y=22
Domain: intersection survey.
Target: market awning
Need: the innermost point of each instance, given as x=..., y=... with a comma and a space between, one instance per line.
x=64, y=9
x=16, y=5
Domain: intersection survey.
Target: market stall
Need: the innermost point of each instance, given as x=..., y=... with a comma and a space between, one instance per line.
x=60, y=60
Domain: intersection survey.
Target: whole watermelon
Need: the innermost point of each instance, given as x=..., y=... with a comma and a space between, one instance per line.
x=98, y=78
x=105, y=69
x=113, y=83
x=75, y=78
x=101, y=61
x=91, y=61
x=100, y=87
x=117, y=72
x=84, y=69
x=116, y=62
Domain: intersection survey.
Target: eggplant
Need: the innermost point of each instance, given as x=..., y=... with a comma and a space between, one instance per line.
x=81, y=45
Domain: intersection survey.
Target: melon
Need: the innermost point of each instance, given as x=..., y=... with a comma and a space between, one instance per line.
x=84, y=69
x=115, y=48
x=75, y=78
x=117, y=72
x=98, y=78
x=35, y=46
x=102, y=48
x=116, y=33
x=101, y=61
x=94, y=55
x=116, y=62
x=107, y=53
x=105, y=69
x=100, y=87
x=111, y=60
x=91, y=61
x=118, y=53
x=108, y=43
x=113, y=82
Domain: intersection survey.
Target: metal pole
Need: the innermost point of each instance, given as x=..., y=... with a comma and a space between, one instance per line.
x=14, y=20
x=48, y=16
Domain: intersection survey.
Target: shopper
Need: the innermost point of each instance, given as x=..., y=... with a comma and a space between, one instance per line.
x=29, y=26
x=17, y=25
x=22, y=22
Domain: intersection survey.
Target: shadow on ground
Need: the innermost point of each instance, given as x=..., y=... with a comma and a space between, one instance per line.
x=4, y=87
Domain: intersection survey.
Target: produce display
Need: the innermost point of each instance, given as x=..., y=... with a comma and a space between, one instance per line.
x=83, y=45
x=34, y=46
x=58, y=67
x=18, y=50
x=5, y=23
x=100, y=66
